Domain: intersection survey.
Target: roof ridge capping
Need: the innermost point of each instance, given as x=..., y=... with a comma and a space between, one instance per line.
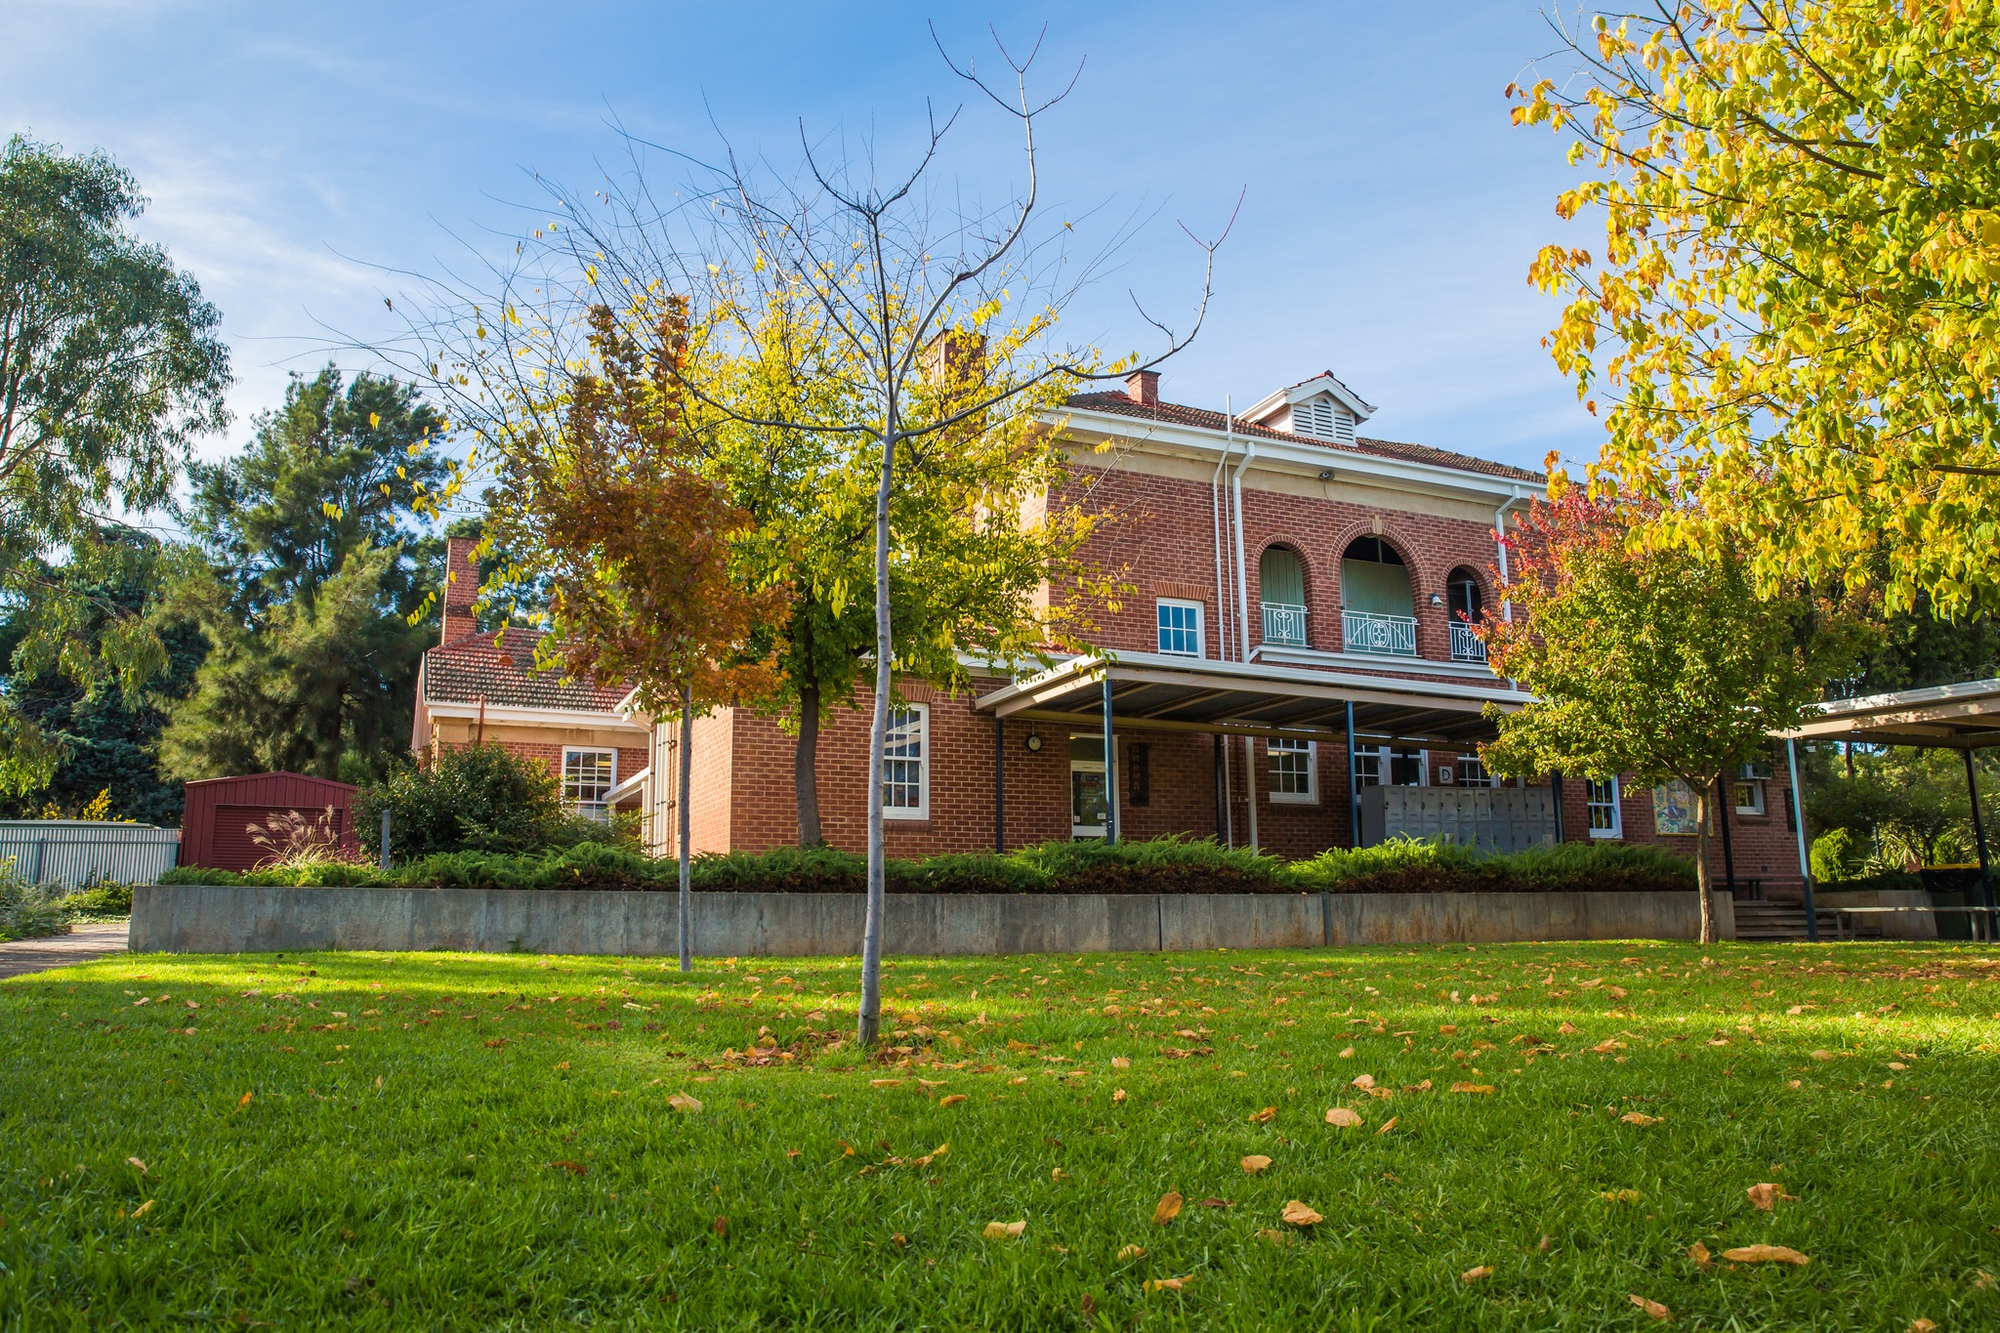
x=1201, y=418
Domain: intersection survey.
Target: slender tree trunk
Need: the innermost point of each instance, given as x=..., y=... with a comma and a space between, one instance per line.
x=869, y=1021
x=687, y=829
x=1701, y=861
x=805, y=767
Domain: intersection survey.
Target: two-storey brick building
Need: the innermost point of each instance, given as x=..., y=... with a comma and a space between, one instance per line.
x=1300, y=633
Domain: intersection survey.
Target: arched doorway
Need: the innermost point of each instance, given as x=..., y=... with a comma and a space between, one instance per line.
x=1376, y=609
x=1465, y=607
x=1281, y=582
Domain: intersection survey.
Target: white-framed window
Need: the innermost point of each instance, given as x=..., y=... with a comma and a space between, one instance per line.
x=1375, y=765
x=1294, y=771
x=1749, y=797
x=1179, y=626
x=587, y=778
x=906, y=767
x=1472, y=772
x=1600, y=802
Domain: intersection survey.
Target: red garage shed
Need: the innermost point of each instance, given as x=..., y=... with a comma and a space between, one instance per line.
x=224, y=816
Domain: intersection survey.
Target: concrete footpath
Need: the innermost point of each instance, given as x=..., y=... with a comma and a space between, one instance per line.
x=83, y=943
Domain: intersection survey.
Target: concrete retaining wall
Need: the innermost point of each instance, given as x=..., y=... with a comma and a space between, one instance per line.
x=201, y=918
x=1893, y=925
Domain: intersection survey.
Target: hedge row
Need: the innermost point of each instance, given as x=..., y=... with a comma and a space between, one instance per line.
x=1167, y=865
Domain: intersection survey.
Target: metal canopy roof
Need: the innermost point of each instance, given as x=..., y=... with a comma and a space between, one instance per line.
x=1965, y=716
x=1154, y=691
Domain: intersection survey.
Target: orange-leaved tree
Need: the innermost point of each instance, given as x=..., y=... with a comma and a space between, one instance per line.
x=609, y=499
x=1662, y=665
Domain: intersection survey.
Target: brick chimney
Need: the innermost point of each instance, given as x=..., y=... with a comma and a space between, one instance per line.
x=461, y=587
x=1143, y=386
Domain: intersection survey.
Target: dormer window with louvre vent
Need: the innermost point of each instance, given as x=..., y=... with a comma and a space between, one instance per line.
x=1321, y=408
x=1323, y=419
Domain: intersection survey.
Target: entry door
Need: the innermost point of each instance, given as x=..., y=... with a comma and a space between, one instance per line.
x=1087, y=803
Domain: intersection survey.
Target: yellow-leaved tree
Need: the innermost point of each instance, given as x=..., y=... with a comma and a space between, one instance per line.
x=1791, y=318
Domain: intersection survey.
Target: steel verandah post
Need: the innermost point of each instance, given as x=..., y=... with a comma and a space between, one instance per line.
x=1110, y=766
x=999, y=786
x=1979, y=840
x=1805, y=863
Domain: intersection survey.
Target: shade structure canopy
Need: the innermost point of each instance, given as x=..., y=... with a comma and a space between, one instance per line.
x=1964, y=716
x=1156, y=691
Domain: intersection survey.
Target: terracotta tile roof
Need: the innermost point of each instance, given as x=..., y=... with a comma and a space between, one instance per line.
x=1180, y=415
x=473, y=667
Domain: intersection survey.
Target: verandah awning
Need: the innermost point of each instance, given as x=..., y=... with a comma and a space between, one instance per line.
x=1154, y=691
x=1964, y=716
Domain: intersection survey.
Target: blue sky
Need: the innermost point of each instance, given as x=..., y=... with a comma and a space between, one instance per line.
x=293, y=152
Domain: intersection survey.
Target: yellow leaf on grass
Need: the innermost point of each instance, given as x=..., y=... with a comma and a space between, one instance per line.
x=1131, y=1252
x=1822, y=1055
x=574, y=1168
x=1923, y=1326
x=1365, y=1082
x=1472, y=1087
x=1474, y=1274
x=1121, y=1062
x=1263, y=1117
x=1168, y=1283
x=952, y=1100
x=1639, y=1118
x=1118, y=1094
x=1057, y=1173
x=1985, y=1282
x=1765, y=1254
x=1388, y=1125
x=1342, y=1117
x=243, y=1101
x=142, y=1209
x=1168, y=1208
x=683, y=1103
x=1256, y=1162
x=1347, y=1053
x=1699, y=1253
x=136, y=1162
x=1653, y=1309
x=885, y=1082
x=1004, y=1230
x=1764, y=1198
x=1301, y=1216
x=1621, y=1196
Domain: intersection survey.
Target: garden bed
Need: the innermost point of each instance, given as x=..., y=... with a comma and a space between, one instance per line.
x=1162, y=866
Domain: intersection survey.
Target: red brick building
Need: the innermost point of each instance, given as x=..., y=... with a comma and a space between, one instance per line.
x=1299, y=634
x=476, y=686
x=1291, y=575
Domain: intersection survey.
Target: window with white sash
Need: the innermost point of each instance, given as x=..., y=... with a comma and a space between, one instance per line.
x=1294, y=771
x=587, y=779
x=1600, y=800
x=906, y=769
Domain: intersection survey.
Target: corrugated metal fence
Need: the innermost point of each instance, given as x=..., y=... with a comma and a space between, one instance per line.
x=77, y=852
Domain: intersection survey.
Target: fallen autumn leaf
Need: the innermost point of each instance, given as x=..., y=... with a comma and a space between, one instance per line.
x=1765, y=1254
x=1301, y=1216
x=1168, y=1208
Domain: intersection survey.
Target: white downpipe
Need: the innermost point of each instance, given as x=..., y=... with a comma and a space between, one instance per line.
x=1222, y=619
x=1500, y=544
x=1243, y=618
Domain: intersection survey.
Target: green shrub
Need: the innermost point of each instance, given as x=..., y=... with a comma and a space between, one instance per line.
x=28, y=911
x=476, y=798
x=99, y=900
x=1838, y=854
x=1407, y=865
x=1163, y=865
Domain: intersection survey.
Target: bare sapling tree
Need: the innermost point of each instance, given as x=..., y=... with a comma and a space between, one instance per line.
x=929, y=328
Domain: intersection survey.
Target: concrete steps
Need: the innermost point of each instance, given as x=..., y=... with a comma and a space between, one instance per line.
x=1757, y=920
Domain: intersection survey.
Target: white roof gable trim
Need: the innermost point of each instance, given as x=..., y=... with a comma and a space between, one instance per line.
x=1323, y=385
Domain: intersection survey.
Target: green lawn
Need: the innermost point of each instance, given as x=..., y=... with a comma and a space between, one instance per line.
x=452, y=1141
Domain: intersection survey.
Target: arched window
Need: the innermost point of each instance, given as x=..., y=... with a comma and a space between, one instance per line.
x=1376, y=614
x=1281, y=580
x=1465, y=607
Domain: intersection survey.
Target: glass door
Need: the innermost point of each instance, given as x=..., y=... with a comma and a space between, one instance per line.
x=1087, y=803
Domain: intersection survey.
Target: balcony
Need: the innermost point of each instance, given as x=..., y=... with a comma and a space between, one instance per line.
x=1373, y=632
x=1466, y=645
x=1284, y=624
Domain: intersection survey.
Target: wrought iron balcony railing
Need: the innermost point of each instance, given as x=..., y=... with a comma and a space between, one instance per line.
x=1285, y=624
x=1466, y=645
x=1374, y=632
